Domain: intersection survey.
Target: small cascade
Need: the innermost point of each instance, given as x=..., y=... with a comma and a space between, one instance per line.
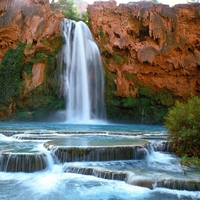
x=78, y=154
x=83, y=79
x=176, y=184
x=98, y=172
x=10, y=133
x=189, y=185
x=18, y=162
x=78, y=148
x=125, y=166
x=162, y=146
x=140, y=181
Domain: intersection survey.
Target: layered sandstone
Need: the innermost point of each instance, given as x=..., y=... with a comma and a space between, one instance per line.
x=31, y=22
x=34, y=23
x=158, y=44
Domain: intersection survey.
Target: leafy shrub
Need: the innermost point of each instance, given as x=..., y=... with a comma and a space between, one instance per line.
x=23, y=116
x=85, y=17
x=164, y=98
x=130, y=76
x=102, y=36
x=56, y=44
x=133, y=77
x=11, y=68
x=190, y=162
x=145, y=91
x=39, y=57
x=129, y=102
x=28, y=69
x=118, y=59
x=183, y=123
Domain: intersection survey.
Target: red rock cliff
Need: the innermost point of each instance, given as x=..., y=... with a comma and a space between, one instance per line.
x=27, y=21
x=157, y=44
x=33, y=23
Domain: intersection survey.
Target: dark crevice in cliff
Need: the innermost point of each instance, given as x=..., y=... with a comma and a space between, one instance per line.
x=144, y=33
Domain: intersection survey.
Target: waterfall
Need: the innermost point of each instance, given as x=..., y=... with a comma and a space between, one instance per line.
x=20, y=162
x=83, y=80
x=98, y=172
x=80, y=154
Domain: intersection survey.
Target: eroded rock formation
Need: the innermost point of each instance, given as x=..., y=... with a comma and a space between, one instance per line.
x=161, y=44
x=27, y=21
x=35, y=24
x=151, y=54
x=147, y=44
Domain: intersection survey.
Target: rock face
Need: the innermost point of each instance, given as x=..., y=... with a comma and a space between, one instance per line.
x=161, y=44
x=151, y=54
x=151, y=45
x=35, y=24
x=27, y=21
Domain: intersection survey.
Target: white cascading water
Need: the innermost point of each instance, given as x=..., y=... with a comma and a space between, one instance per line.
x=83, y=84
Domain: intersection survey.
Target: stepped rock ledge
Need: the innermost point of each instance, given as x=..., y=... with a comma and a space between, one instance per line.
x=141, y=43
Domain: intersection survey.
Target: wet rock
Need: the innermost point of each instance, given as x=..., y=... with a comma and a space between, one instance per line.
x=84, y=148
x=98, y=172
x=19, y=162
x=78, y=154
x=189, y=185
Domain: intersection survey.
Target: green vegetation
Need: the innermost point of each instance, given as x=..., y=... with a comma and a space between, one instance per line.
x=28, y=69
x=145, y=106
x=130, y=76
x=39, y=57
x=145, y=91
x=117, y=58
x=133, y=77
x=154, y=1
x=84, y=17
x=190, y=162
x=11, y=69
x=70, y=10
x=102, y=36
x=110, y=88
x=37, y=103
x=164, y=98
x=183, y=124
x=129, y=102
x=29, y=46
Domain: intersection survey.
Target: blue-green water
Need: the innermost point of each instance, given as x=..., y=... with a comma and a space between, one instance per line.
x=42, y=126
x=54, y=184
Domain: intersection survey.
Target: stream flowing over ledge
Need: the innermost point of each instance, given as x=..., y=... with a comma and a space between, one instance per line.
x=135, y=158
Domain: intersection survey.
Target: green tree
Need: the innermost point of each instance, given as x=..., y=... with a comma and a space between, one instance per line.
x=183, y=124
x=84, y=17
x=68, y=9
x=154, y=1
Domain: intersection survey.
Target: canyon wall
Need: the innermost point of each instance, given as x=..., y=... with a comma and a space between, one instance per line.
x=151, y=56
x=29, y=21
x=29, y=41
x=150, y=52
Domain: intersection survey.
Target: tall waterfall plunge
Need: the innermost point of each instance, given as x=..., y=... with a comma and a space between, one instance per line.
x=83, y=80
